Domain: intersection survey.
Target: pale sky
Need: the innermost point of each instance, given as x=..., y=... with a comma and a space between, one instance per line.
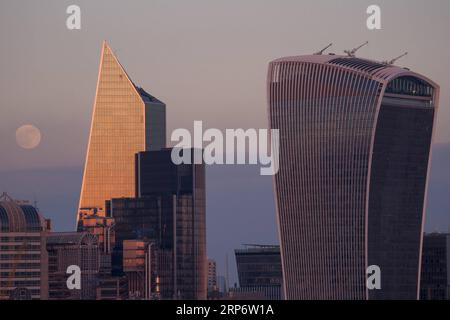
x=207, y=60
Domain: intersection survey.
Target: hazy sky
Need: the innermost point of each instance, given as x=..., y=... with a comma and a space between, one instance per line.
x=207, y=60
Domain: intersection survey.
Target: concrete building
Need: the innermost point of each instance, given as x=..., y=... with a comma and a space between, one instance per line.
x=23, y=255
x=212, y=275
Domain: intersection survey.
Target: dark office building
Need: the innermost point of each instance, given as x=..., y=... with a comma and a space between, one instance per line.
x=169, y=213
x=355, y=138
x=259, y=271
x=435, y=279
x=67, y=249
x=112, y=288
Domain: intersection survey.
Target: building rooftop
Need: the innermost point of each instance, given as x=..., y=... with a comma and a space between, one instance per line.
x=378, y=70
x=74, y=238
x=15, y=216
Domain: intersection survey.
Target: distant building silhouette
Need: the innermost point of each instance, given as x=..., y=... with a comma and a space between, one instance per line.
x=435, y=280
x=212, y=275
x=355, y=139
x=259, y=271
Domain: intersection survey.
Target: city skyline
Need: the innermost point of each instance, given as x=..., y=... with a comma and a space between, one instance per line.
x=203, y=73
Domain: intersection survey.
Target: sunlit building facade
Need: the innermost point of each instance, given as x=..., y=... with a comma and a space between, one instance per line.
x=125, y=120
x=355, y=139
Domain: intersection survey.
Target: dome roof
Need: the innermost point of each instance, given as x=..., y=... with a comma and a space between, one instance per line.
x=17, y=217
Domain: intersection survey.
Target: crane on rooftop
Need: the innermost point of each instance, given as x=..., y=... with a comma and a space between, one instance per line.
x=351, y=53
x=323, y=50
x=391, y=62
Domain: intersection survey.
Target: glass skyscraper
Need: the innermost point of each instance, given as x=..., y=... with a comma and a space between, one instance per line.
x=355, y=139
x=168, y=212
x=125, y=120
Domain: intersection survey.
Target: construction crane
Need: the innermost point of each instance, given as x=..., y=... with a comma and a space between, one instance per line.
x=323, y=50
x=391, y=62
x=351, y=53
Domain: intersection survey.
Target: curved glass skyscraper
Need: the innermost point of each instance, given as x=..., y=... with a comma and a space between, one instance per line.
x=355, y=139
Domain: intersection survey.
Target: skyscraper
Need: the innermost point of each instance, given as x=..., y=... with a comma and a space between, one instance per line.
x=168, y=213
x=355, y=139
x=125, y=120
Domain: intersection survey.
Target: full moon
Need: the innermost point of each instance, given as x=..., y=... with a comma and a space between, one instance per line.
x=28, y=136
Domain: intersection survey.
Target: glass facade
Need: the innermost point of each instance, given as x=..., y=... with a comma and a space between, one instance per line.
x=397, y=190
x=125, y=120
x=170, y=213
x=355, y=140
x=259, y=268
x=435, y=280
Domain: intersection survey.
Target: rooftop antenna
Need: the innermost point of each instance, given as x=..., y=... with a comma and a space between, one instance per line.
x=391, y=62
x=323, y=50
x=35, y=203
x=351, y=53
x=227, y=283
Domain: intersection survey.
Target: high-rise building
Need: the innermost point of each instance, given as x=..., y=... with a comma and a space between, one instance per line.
x=67, y=249
x=125, y=120
x=23, y=257
x=435, y=280
x=355, y=139
x=169, y=213
x=259, y=271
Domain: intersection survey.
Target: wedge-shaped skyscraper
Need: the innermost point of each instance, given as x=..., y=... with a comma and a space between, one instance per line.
x=355, y=139
x=125, y=120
